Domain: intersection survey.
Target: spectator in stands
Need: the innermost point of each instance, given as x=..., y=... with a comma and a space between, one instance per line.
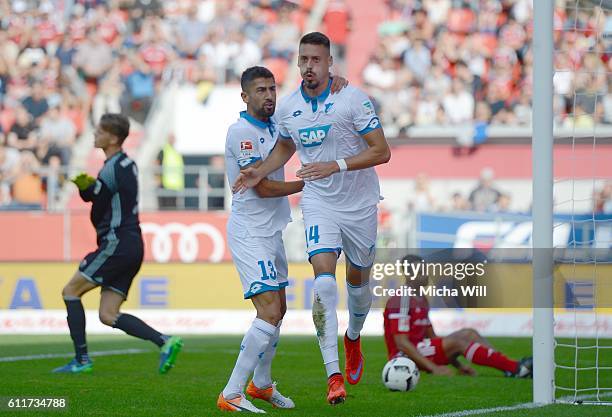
x=484, y=196
x=418, y=59
x=283, y=36
x=437, y=83
x=503, y=203
x=4, y=70
x=36, y=103
x=580, y=119
x=140, y=90
x=57, y=135
x=139, y=10
x=522, y=109
x=248, y=54
x=9, y=51
x=380, y=73
x=93, y=59
x=23, y=134
x=107, y=99
x=66, y=51
x=156, y=52
x=603, y=199
x=422, y=28
x=190, y=33
x=423, y=199
x=459, y=202
x=427, y=110
x=9, y=168
x=458, y=104
x=172, y=176
x=27, y=188
x=220, y=51
x=216, y=181
x=437, y=10
x=337, y=26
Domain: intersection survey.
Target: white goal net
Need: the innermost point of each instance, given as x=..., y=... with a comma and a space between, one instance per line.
x=583, y=200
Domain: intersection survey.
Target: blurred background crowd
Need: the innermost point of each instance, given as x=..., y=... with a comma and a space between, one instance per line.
x=461, y=64
x=453, y=62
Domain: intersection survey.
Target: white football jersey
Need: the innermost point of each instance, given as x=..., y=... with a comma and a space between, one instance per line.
x=327, y=128
x=248, y=141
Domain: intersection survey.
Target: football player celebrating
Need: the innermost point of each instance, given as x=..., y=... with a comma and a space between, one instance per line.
x=339, y=140
x=254, y=233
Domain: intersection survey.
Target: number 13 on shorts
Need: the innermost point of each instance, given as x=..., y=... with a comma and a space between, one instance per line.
x=267, y=272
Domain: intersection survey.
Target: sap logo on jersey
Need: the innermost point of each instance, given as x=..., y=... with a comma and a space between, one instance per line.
x=313, y=136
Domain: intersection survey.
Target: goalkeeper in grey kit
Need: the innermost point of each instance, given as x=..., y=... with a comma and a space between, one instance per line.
x=118, y=258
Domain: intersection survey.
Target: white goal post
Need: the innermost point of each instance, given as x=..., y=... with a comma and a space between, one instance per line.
x=542, y=154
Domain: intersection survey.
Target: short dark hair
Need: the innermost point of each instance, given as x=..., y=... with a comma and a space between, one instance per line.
x=116, y=124
x=315, y=38
x=253, y=73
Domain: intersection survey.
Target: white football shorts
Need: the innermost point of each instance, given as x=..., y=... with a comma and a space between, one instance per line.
x=353, y=232
x=261, y=262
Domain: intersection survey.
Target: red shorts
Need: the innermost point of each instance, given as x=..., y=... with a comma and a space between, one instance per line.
x=432, y=350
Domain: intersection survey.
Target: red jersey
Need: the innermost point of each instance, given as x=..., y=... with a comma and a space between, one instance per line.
x=336, y=22
x=405, y=315
x=156, y=55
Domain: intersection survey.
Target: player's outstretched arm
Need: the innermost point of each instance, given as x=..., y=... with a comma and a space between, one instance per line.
x=270, y=188
x=251, y=176
x=404, y=344
x=378, y=153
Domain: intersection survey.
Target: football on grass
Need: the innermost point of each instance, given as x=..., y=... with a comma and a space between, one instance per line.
x=400, y=374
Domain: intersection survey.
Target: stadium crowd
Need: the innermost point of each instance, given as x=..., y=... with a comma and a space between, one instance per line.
x=439, y=62
x=64, y=64
x=469, y=62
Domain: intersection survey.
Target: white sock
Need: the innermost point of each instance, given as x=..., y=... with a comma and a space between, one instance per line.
x=326, y=320
x=252, y=348
x=262, y=377
x=359, y=303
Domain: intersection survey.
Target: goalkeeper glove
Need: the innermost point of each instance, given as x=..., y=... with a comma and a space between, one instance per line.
x=83, y=181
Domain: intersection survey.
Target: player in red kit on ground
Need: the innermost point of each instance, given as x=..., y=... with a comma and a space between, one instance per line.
x=409, y=332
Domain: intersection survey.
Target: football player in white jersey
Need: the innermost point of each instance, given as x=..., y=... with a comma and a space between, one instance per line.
x=339, y=140
x=254, y=233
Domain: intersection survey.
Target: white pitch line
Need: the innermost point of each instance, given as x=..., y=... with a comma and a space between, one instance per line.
x=486, y=410
x=522, y=406
x=70, y=355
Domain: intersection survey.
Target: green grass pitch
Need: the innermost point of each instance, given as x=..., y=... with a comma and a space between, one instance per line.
x=128, y=385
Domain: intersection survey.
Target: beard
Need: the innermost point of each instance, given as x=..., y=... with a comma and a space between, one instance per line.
x=313, y=83
x=264, y=113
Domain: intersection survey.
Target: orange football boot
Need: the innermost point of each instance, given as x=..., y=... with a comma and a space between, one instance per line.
x=336, y=394
x=354, y=360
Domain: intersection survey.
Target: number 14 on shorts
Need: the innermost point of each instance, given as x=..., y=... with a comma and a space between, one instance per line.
x=312, y=235
x=267, y=273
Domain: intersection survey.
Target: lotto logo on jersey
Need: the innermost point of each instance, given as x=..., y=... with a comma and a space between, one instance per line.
x=313, y=136
x=374, y=123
